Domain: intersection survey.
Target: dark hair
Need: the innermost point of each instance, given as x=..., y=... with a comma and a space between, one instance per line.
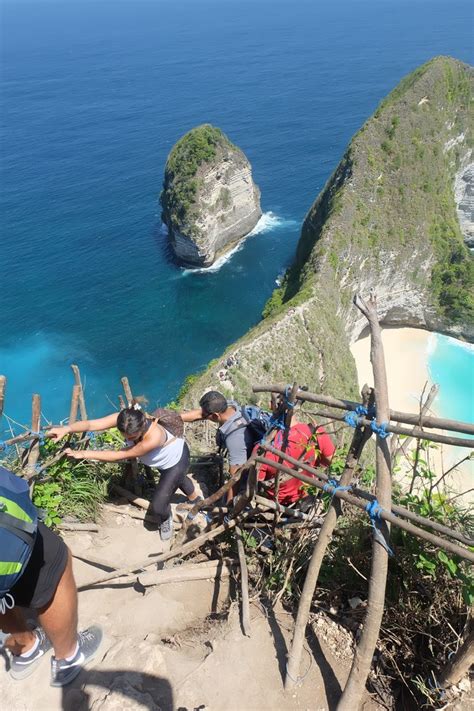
x=131, y=421
x=213, y=402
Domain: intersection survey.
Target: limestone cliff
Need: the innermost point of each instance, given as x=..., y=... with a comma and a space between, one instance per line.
x=209, y=199
x=386, y=219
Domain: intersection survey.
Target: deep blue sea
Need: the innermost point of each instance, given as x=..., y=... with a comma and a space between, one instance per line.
x=95, y=94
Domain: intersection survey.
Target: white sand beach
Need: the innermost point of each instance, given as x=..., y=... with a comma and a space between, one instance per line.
x=406, y=357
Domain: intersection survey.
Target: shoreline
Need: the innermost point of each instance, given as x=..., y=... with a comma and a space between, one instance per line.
x=407, y=352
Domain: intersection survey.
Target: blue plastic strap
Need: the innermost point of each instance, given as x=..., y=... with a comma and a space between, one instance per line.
x=351, y=419
x=332, y=485
x=380, y=430
x=374, y=510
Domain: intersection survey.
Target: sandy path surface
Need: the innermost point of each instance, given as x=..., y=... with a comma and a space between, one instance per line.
x=161, y=650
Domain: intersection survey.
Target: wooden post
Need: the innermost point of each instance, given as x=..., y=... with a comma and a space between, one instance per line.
x=121, y=402
x=244, y=583
x=127, y=390
x=289, y=410
x=131, y=467
x=360, y=437
x=3, y=385
x=353, y=691
x=76, y=394
x=82, y=402
x=33, y=451
x=460, y=663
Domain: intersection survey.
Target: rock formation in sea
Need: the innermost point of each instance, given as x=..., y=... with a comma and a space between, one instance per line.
x=386, y=219
x=209, y=199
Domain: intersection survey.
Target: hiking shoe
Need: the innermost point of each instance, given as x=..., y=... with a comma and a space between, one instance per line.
x=21, y=667
x=64, y=671
x=166, y=528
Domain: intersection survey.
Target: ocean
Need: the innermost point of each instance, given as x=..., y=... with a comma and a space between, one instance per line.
x=95, y=94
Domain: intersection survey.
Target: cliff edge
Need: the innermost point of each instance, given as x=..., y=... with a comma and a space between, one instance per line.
x=209, y=199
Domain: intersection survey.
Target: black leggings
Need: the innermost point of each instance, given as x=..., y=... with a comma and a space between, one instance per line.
x=170, y=480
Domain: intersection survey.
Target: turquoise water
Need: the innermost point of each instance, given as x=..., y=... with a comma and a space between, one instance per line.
x=95, y=94
x=451, y=366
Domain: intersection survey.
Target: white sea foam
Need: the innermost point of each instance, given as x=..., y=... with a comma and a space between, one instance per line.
x=268, y=222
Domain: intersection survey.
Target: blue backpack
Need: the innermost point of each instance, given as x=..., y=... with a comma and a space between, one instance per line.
x=256, y=421
x=18, y=527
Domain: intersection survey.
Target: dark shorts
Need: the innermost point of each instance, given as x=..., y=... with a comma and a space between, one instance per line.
x=37, y=585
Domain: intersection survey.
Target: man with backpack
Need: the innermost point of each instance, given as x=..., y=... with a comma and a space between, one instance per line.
x=241, y=428
x=36, y=573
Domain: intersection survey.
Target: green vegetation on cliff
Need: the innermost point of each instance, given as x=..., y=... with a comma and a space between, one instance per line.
x=391, y=200
x=386, y=219
x=198, y=146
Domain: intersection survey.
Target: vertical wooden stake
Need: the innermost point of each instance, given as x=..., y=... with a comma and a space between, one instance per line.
x=33, y=451
x=131, y=470
x=359, y=439
x=288, y=416
x=82, y=402
x=3, y=385
x=128, y=391
x=354, y=689
x=76, y=394
x=244, y=583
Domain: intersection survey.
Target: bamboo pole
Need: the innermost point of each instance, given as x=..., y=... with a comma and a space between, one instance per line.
x=244, y=584
x=359, y=439
x=404, y=417
x=82, y=402
x=186, y=548
x=352, y=694
x=396, y=509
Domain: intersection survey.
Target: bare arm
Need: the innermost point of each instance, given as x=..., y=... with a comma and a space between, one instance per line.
x=155, y=439
x=192, y=415
x=103, y=423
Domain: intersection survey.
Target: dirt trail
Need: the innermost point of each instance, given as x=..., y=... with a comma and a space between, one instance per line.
x=162, y=651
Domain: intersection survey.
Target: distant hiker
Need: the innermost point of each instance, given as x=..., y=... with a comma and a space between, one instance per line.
x=149, y=442
x=239, y=427
x=36, y=573
x=310, y=445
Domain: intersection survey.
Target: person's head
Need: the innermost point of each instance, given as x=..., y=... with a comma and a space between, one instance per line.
x=213, y=404
x=132, y=422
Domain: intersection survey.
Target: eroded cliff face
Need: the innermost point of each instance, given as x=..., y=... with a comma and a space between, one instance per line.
x=224, y=206
x=386, y=220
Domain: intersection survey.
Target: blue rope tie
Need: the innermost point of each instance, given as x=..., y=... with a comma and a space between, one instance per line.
x=3, y=445
x=38, y=435
x=380, y=430
x=91, y=436
x=351, y=419
x=374, y=510
x=332, y=485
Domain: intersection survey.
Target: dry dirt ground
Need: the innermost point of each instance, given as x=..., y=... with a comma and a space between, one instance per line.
x=172, y=647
